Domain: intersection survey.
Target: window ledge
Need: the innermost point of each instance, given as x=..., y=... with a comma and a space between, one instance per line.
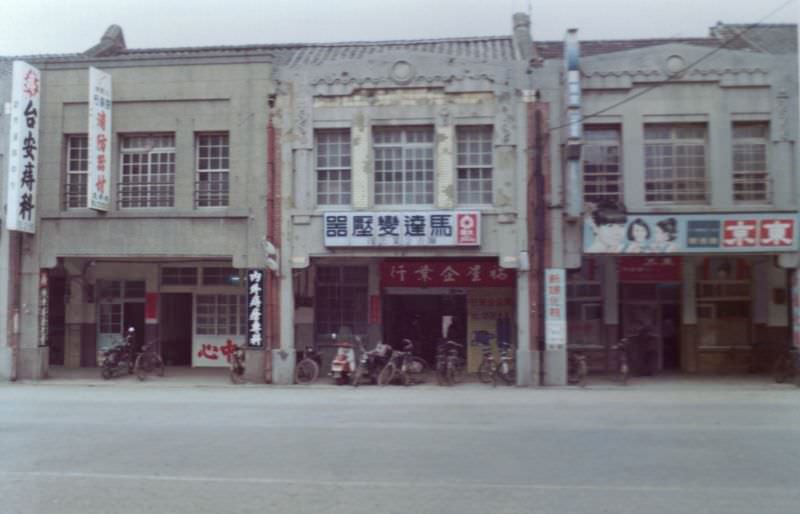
x=146, y=214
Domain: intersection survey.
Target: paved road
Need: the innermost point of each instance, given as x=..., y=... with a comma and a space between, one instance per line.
x=420, y=450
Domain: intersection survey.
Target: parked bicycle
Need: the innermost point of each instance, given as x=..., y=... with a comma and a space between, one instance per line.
x=505, y=369
x=149, y=361
x=371, y=363
x=403, y=367
x=450, y=365
x=785, y=366
x=307, y=370
x=577, y=368
x=236, y=363
x=622, y=352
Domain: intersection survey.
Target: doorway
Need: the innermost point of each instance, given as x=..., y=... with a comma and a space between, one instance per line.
x=176, y=328
x=419, y=317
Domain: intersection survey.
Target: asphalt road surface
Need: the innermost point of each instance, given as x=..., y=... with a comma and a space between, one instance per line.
x=470, y=449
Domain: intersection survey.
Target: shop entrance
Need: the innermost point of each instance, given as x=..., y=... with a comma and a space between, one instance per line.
x=176, y=328
x=650, y=319
x=419, y=317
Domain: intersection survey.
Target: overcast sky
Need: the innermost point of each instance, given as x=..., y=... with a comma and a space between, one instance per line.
x=65, y=26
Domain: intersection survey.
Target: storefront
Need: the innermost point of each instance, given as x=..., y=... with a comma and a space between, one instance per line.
x=706, y=291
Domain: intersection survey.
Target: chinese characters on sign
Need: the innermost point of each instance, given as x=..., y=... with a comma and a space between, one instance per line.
x=418, y=228
x=24, y=148
x=255, y=299
x=209, y=351
x=690, y=233
x=795, y=308
x=44, y=308
x=99, y=139
x=419, y=273
x=555, y=304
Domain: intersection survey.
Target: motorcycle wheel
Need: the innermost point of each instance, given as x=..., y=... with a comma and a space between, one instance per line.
x=106, y=373
x=507, y=374
x=387, y=374
x=416, y=370
x=306, y=372
x=485, y=371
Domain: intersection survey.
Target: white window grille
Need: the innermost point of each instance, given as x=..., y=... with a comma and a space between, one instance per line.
x=602, y=168
x=148, y=171
x=675, y=164
x=474, y=165
x=404, y=169
x=213, y=170
x=221, y=314
x=751, y=180
x=341, y=299
x=77, y=172
x=221, y=277
x=333, y=167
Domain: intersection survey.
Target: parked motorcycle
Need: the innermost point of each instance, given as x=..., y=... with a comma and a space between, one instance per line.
x=343, y=364
x=119, y=358
x=370, y=363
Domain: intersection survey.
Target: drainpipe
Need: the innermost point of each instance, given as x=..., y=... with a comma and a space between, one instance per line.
x=15, y=300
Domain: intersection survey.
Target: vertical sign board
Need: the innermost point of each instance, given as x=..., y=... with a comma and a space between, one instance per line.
x=555, y=320
x=255, y=302
x=99, y=139
x=795, y=308
x=44, y=308
x=24, y=148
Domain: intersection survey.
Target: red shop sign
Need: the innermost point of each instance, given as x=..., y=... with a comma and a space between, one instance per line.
x=445, y=274
x=649, y=269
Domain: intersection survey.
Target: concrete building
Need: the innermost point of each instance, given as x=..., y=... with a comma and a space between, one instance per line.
x=186, y=175
x=403, y=173
x=677, y=214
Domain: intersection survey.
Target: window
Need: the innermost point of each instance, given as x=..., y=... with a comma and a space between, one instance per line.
x=221, y=314
x=403, y=165
x=341, y=299
x=602, y=170
x=474, y=164
x=675, y=164
x=148, y=171
x=213, y=170
x=333, y=167
x=751, y=183
x=221, y=277
x=178, y=276
x=77, y=172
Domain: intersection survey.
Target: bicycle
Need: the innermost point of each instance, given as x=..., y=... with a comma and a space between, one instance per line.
x=505, y=369
x=577, y=369
x=236, y=364
x=148, y=361
x=307, y=370
x=785, y=366
x=624, y=368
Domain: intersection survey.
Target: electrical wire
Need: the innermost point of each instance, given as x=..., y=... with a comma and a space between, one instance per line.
x=676, y=76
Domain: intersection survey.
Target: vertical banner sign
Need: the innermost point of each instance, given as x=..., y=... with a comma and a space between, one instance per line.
x=24, y=148
x=255, y=300
x=555, y=320
x=796, y=308
x=99, y=139
x=44, y=308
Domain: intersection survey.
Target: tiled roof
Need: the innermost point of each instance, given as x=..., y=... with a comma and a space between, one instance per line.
x=555, y=49
x=778, y=38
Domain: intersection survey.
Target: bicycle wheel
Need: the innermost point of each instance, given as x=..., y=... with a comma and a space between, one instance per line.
x=306, y=371
x=158, y=365
x=485, y=371
x=357, y=375
x=142, y=366
x=459, y=371
x=387, y=374
x=624, y=373
x=416, y=370
x=450, y=377
x=237, y=375
x=781, y=370
x=582, y=375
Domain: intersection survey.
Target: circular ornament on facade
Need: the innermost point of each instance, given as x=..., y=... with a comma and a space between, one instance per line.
x=402, y=72
x=675, y=65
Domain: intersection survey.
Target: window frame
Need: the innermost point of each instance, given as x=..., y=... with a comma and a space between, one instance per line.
x=220, y=316
x=325, y=303
x=669, y=191
x=405, y=147
x=211, y=198
x=605, y=180
x=344, y=185
x=80, y=171
x=144, y=191
x=751, y=196
x=466, y=189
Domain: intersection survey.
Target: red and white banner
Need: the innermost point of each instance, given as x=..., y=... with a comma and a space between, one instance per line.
x=445, y=273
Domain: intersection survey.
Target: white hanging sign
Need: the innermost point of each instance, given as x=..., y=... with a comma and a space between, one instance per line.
x=99, y=140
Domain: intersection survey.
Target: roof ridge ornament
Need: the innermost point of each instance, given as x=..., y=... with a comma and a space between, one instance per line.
x=112, y=43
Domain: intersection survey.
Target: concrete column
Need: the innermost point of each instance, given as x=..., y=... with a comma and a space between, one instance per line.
x=527, y=359
x=361, y=163
x=303, y=191
x=688, y=297
x=445, y=166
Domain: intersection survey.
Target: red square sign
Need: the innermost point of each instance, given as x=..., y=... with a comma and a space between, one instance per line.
x=777, y=232
x=739, y=233
x=467, y=229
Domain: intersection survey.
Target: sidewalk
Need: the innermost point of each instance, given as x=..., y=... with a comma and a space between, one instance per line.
x=218, y=377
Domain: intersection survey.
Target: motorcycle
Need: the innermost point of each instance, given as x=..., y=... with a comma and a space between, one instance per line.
x=342, y=365
x=117, y=359
x=370, y=363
